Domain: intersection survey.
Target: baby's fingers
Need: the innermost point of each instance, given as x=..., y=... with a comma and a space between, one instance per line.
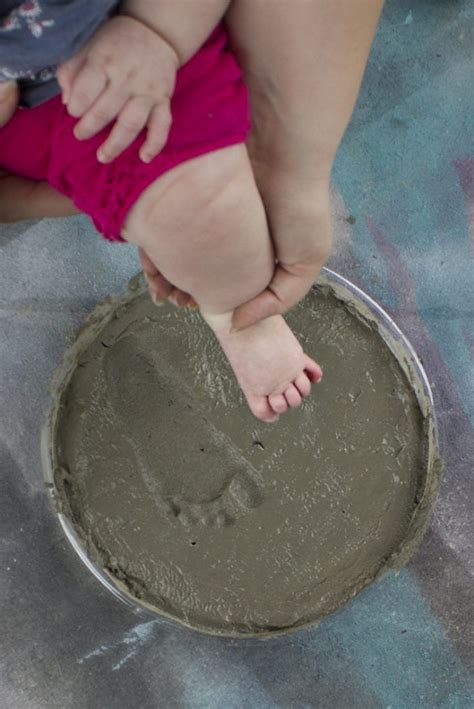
x=158, y=125
x=131, y=120
x=102, y=112
x=86, y=87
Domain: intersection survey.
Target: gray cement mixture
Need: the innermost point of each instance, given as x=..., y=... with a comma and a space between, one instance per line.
x=217, y=520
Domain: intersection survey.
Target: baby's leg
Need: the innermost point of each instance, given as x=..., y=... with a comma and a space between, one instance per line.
x=204, y=225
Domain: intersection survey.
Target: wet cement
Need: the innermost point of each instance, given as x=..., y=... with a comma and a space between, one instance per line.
x=213, y=518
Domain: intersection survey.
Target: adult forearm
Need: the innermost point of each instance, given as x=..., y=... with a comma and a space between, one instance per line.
x=184, y=24
x=26, y=199
x=303, y=62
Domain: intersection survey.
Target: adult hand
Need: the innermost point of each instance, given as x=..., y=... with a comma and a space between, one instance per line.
x=298, y=214
x=159, y=286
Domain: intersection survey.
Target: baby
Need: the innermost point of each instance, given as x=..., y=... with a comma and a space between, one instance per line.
x=182, y=189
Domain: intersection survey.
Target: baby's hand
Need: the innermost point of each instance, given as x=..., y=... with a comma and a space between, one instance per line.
x=125, y=72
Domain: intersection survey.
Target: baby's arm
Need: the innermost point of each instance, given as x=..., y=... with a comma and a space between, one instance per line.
x=184, y=24
x=127, y=71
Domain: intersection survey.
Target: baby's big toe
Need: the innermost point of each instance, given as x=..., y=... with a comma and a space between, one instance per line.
x=312, y=369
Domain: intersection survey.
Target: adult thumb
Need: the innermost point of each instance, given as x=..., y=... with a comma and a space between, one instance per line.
x=284, y=291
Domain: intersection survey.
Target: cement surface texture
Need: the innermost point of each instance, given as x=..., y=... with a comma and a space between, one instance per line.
x=403, y=208
x=212, y=517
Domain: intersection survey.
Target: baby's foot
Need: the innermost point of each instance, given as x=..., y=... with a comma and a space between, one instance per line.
x=269, y=363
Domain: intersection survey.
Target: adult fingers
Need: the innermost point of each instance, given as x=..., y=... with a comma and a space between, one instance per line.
x=130, y=121
x=159, y=124
x=148, y=266
x=101, y=113
x=183, y=299
x=160, y=288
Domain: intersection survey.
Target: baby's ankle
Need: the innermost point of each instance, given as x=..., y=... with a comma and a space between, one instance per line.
x=219, y=322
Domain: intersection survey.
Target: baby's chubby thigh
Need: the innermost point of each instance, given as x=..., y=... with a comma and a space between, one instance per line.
x=203, y=225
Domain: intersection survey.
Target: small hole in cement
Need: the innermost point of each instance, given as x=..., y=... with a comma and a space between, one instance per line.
x=202, y=450
x=259, y=444
x=193, y=544
x=343, y=512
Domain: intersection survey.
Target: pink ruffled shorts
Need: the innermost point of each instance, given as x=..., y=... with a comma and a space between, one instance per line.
x=209, y=109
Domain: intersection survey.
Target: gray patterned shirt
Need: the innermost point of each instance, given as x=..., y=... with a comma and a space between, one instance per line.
x=37, y=35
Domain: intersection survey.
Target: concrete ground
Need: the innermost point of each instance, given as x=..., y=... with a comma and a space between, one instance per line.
x=404, y=210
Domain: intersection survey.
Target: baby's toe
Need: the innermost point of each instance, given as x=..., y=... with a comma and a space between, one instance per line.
x=312, y=369
x=278, y=403
x=261, y=408
x=292, y=396
x=303, y=384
